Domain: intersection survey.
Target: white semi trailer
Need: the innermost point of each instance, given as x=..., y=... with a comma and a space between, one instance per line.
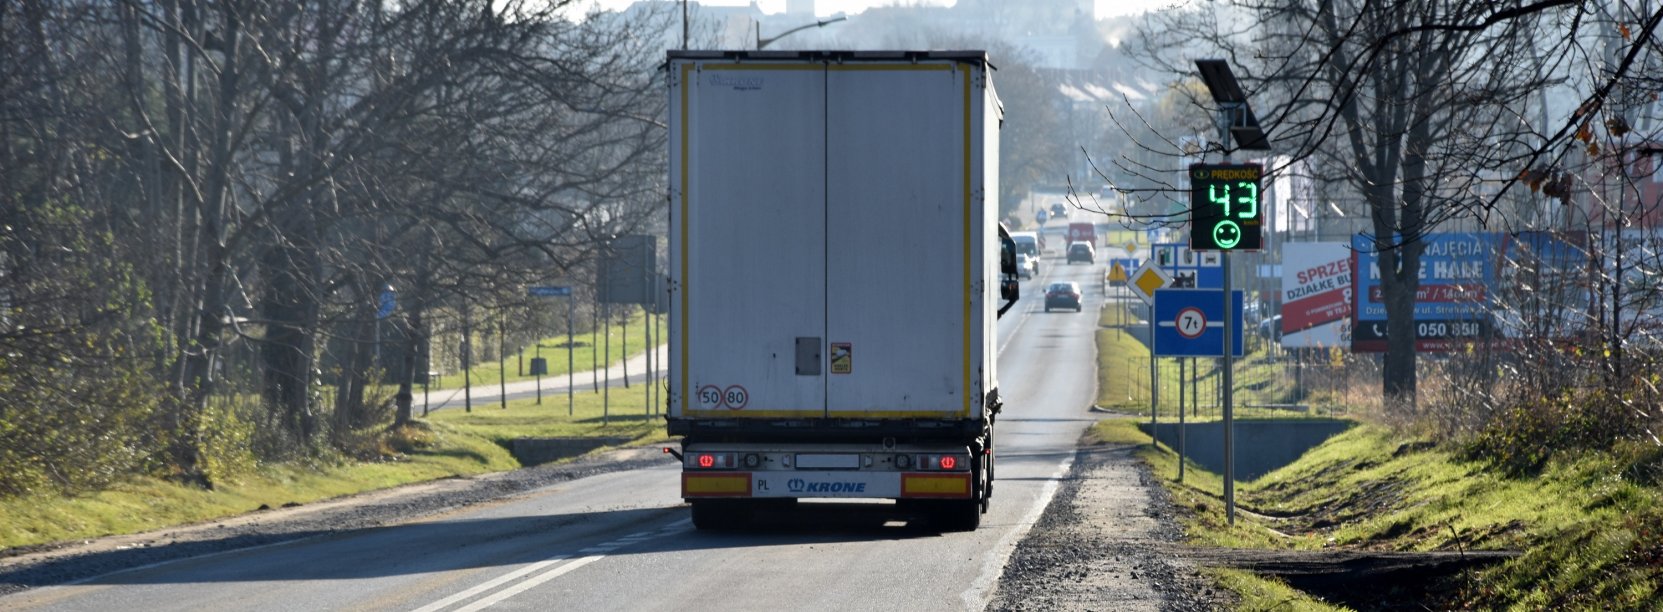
x=836, y=271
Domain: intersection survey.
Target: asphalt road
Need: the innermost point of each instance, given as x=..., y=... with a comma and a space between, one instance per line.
x=623, y=541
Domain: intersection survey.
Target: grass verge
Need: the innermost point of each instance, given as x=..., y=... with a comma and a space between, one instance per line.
x=589, y=351
x=1262, y=595
x=1590, y=528
x=448, y=443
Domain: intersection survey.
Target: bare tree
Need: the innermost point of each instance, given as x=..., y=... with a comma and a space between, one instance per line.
x=1414, y=104
x=250, y=176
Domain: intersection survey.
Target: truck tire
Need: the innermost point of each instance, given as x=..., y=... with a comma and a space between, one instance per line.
x=987, y=482
x=966, y=514
x=718, y=515
x=959, y=515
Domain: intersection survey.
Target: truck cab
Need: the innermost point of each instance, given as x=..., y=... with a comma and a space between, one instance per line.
x=1082, y=232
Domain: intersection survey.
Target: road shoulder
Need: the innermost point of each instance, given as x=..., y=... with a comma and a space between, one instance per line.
x=1104, y=543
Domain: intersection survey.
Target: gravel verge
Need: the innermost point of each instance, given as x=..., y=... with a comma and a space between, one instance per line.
x=1105, y=543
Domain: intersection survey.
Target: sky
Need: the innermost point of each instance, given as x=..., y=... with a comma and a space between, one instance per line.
x=1105, y=8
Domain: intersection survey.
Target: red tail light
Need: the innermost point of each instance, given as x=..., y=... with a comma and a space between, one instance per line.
x=932, y=462
x=710, y=461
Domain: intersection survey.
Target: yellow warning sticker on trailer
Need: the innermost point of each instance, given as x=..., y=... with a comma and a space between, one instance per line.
x=717, y=485
x=842, y=357
x=932, y=485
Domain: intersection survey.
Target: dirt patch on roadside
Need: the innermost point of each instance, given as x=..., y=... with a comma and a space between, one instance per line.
x=1104, y=543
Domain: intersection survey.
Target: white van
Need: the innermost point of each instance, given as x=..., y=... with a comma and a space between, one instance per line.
x=1027, y=243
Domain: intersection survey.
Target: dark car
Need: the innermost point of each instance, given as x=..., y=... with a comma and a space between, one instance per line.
x=1271, y=329
x=1062, y=295
x=1058, y=210
x=1081, y=251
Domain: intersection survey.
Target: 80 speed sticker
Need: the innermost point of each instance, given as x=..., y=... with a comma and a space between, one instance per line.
x=735, y=397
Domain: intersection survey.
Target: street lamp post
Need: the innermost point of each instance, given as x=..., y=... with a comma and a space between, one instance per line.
x=763, y=42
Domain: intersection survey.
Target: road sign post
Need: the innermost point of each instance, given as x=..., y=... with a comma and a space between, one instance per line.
x=564, y=291
x=1229, y=217
x=1226, y=216
x=1229, y=409
x=1144, y=283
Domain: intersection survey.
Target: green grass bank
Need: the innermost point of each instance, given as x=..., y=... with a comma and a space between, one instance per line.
x=1588, y=525
x=448, y=443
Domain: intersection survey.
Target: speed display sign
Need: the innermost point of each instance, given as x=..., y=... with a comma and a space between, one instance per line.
x=1225, y=211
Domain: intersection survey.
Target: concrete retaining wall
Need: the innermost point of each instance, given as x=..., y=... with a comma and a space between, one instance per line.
x=533, y=451
x=1261, y=446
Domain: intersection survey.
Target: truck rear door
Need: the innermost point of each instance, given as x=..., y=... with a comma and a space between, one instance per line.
x=899, y=221
x=750, y=256
x=824, y=250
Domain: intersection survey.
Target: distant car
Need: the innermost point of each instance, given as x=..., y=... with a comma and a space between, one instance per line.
x=1271, y=329
x=1058, y=210
x=1026, y=267
x=1081, y=251
x=1062, y=295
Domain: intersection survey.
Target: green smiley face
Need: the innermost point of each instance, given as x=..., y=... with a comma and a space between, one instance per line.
x=1226, y=234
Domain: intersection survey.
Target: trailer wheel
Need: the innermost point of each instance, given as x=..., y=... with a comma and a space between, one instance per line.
x=966, y=514
x=987, y=482
x=719, y=515
x=958, y=515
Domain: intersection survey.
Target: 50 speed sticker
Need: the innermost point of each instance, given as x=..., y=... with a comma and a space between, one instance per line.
x=735, y=397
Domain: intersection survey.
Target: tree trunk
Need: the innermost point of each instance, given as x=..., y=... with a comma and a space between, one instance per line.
x=1399, y=376
x=349, y=395
x=413, y=340
x=289, y=350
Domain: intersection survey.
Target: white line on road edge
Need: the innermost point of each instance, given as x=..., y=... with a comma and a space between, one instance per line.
x=522, y=587
x=504, y=594
x=488, y=585
x=977, y=596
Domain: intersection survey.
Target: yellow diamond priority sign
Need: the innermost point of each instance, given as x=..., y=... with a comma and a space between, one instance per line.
x=1147, y=279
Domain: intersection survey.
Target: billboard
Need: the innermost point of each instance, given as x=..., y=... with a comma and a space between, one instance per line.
x=1457, y=270
x=1316, y=295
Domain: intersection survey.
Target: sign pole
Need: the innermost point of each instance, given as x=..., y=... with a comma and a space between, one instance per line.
x=606, y=393
x=1229, y=396
x=571, y=366
x=1181, y=423
x=1154, y=383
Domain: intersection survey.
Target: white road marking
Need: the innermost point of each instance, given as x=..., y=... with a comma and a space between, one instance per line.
x=981, y=591
x=976, y=597
x=488, y=585
x=522, y=587
x=591, y=555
